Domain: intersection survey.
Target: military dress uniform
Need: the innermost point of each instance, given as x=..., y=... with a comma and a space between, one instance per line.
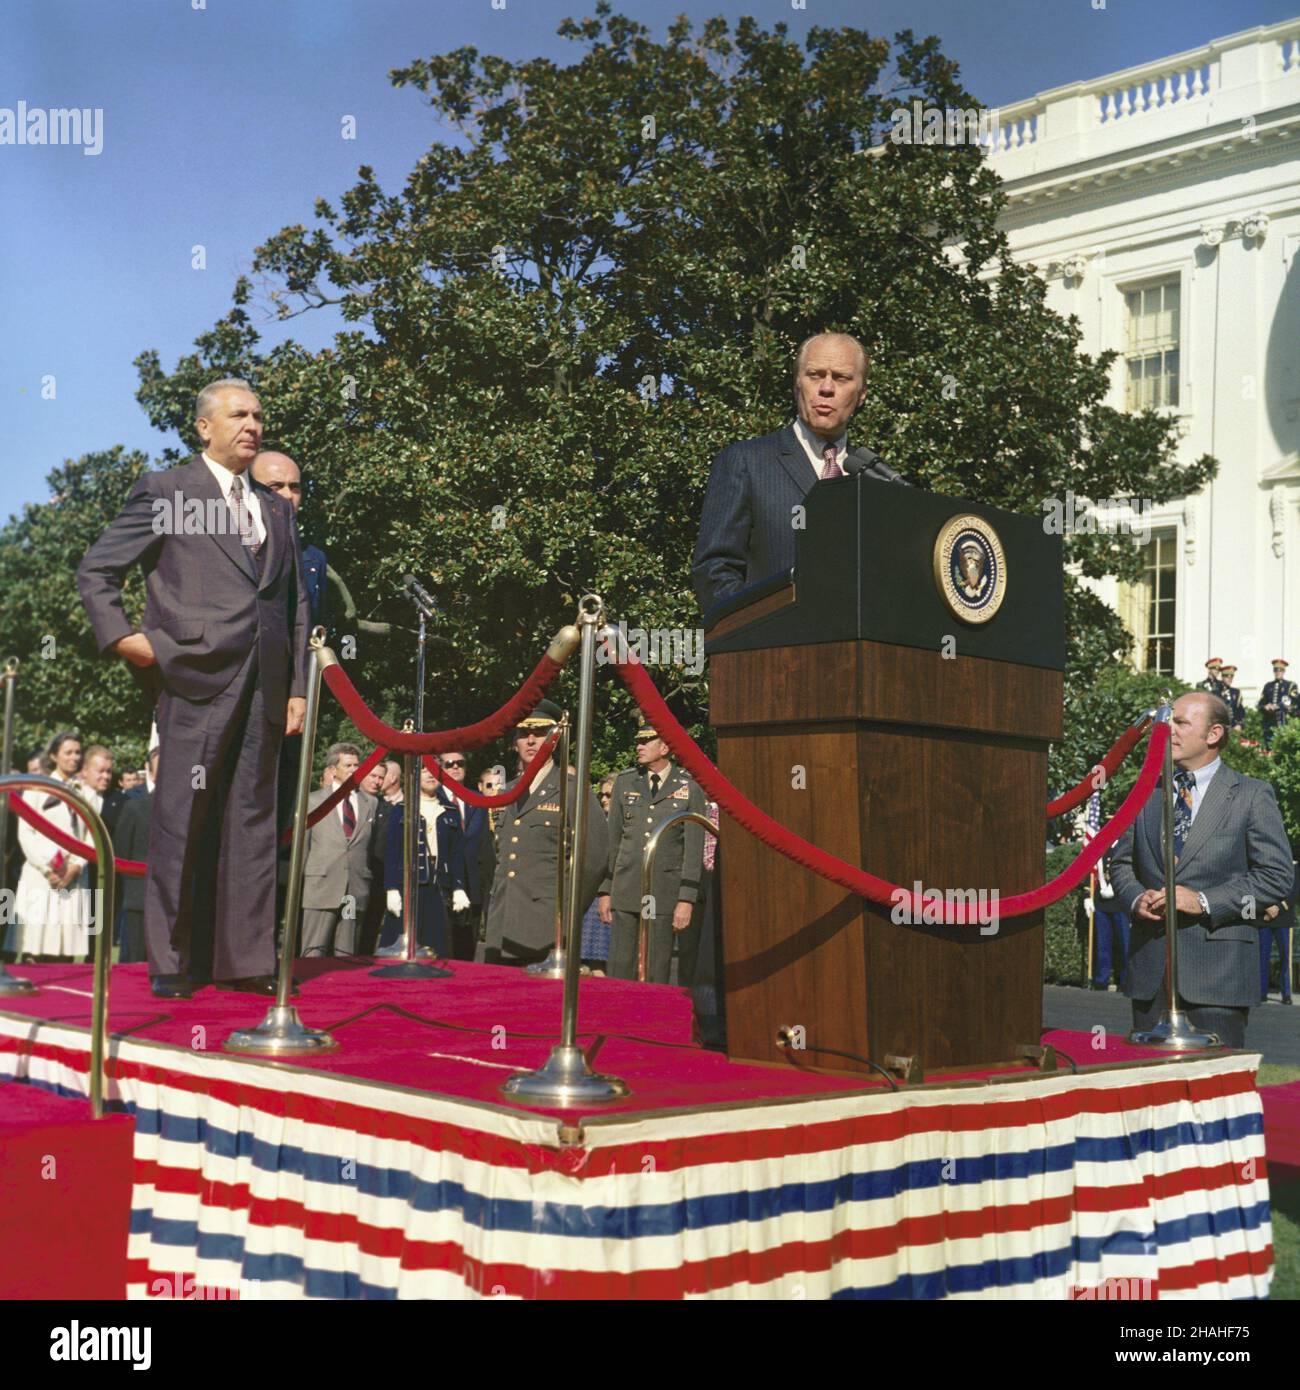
x=636, y=810
x=1231, y=696
x=1212, y=684
x=1285, y=695
x=521, y=908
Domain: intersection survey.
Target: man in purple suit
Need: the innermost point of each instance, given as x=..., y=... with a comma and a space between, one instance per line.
x=222, y=644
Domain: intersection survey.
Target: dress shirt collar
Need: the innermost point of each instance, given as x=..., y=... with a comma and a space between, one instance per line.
x=225, y=477
x=813, y=446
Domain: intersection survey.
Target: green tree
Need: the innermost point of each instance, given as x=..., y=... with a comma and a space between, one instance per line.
x=63, y=683
x=595, y=277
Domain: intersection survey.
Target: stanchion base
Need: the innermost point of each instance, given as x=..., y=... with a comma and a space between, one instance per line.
x=280, y=1034
x=564, y=1079
x=553, y=967
x=14, y=984
x=1174, y=1033
x=411, y=970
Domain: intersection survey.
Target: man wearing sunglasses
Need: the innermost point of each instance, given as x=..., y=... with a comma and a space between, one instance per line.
x=643, y=798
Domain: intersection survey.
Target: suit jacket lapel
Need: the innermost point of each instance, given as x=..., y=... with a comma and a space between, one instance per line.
x=1209, y=815
x=201, y=483
x=1151, y=816
x=274, y=541
x=795, y=461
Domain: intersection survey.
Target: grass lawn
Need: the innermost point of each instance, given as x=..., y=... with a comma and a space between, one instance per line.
x=1286, y=1208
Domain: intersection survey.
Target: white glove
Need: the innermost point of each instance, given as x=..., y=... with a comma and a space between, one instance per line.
x=394, y=901
x=459, y=900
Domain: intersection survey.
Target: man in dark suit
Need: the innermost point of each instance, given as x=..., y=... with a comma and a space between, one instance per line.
x=283, y=476
x=1233, y=863
x=464, y=905
x=131, y=841
x=222, y=643
x=756, y=490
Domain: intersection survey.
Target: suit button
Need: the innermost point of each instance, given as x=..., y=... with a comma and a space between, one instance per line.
x=649, y=820
x=514, y=856
x=510, y=873
x=514, y=839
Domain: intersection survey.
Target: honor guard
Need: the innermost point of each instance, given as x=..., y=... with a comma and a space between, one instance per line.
x=521, y=909
x=1213, y=681
x=1279, y=701
x=1231, y=696
x=644, y=797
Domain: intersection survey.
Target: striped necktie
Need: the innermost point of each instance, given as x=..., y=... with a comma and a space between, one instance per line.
x=830, y=462
x=243, y=517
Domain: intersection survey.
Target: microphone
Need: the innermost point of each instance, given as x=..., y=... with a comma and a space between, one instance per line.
x=422, y=597
x=864, y=460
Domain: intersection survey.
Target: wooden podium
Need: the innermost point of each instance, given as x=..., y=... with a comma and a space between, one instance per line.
x=855, y=707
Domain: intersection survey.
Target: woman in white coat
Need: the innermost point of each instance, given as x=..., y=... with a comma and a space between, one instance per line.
x=53, y=912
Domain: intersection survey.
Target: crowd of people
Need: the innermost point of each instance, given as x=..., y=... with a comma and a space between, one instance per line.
x=485, y=877
x=1279, y=698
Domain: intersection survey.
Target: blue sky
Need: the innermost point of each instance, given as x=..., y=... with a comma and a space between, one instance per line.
x=222, y=123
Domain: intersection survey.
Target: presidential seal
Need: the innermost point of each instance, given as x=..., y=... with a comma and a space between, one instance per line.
x=970, y=568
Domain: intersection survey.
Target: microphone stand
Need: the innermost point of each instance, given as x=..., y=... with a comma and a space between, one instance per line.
x=409, y=966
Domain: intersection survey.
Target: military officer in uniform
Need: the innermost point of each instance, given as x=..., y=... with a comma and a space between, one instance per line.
x=1231, y=696
x=521, y=908
x=1279, y=701
x=644, y=797
x=1213, y=682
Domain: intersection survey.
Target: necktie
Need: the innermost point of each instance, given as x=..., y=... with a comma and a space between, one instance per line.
x=349, y=818
x=654, y=785
x=243, y=518
x=1183, y=782
x=830, y=465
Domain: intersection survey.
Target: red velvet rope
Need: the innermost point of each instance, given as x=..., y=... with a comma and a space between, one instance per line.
x=133, y=868
x=518, y=707
x=1119, y=750
x=476, y=798
x=836, y=870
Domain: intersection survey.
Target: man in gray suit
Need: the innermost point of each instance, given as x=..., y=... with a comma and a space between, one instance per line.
x=1233, y=863
x=747, y=525
x=336, y=876
x=222, y=645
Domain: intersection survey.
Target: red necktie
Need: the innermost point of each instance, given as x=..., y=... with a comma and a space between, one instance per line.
x=349, y=818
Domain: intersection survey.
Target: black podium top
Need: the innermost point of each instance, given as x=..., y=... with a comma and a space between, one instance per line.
x=865, y=569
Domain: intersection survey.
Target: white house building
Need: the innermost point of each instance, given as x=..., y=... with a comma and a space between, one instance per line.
x=1162, y=205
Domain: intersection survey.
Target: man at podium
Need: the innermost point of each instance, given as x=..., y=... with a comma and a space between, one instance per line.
x=747, y=526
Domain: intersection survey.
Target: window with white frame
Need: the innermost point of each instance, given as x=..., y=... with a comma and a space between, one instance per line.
x=1152, y=345
x=1158, y=597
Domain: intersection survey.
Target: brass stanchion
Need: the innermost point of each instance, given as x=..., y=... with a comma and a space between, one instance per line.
x=282, y=1033
x=1174, y=1031
x=565, y=1078
x=9, y=984
x=553, y=967
x=105, y=897
x=647, y=875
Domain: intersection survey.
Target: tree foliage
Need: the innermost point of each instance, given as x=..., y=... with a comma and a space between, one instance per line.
x=593, y=279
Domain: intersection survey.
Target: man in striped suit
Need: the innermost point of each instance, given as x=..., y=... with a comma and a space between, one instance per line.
x=1233, y=862
x=747, y=526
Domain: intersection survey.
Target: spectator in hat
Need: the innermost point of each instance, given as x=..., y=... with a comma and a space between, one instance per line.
x=1231, y=696
x=521, y=908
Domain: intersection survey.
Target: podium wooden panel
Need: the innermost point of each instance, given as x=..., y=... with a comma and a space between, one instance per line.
x=913, y=764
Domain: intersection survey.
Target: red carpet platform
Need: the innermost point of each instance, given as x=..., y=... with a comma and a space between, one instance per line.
x=393, y=1168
